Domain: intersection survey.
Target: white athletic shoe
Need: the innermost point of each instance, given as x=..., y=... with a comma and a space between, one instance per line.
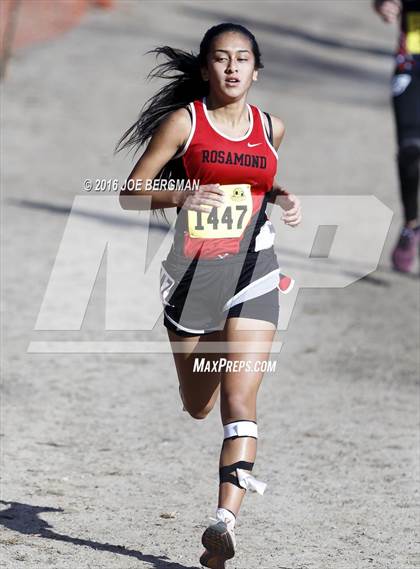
x=220, y=543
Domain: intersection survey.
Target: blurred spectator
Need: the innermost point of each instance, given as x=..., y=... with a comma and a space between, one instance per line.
x=406, y=104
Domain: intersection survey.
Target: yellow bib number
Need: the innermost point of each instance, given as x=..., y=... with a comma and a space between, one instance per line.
x=227, y=220
x=413, y=32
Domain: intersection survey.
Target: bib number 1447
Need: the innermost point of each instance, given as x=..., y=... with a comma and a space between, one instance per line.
x=228, y=220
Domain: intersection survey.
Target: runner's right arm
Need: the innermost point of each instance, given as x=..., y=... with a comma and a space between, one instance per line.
x=168, y=139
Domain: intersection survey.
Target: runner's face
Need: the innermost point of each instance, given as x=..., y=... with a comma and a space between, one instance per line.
x=230, y=65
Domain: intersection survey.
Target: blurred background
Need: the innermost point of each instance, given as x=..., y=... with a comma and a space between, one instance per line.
x=95, y=447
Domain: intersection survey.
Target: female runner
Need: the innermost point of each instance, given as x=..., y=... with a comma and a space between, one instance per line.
x=220, y=280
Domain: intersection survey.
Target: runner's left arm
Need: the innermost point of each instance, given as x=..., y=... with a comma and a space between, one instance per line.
x=287, y=201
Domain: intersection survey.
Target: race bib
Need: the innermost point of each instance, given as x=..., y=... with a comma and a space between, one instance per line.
x=227, y=220
x=413, y=32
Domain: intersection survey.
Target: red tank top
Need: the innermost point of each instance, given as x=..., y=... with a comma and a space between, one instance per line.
x=212, y=157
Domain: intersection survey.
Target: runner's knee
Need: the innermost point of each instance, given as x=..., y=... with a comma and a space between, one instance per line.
x=199, y=413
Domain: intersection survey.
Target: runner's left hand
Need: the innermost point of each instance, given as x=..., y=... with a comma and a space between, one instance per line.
x=291, y=204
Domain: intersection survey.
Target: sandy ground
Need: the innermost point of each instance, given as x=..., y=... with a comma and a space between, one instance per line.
x=95, y=447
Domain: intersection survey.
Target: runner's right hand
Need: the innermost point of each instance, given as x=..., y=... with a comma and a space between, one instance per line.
x=203, y=199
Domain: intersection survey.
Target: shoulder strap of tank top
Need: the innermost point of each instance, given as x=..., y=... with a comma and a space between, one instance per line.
x=270, y=126
x=269, y=194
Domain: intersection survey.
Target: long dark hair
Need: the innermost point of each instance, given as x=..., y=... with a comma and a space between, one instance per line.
x=185, y=84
